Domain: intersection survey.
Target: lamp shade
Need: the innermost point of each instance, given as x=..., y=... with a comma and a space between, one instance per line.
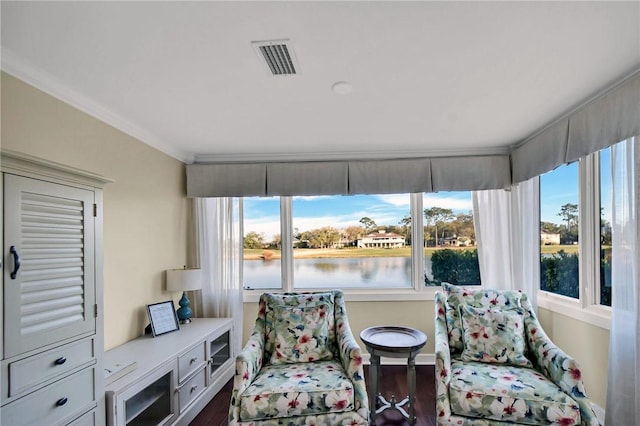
x=184, y=279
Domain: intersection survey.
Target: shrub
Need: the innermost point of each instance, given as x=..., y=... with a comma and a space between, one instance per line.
x=454, y=266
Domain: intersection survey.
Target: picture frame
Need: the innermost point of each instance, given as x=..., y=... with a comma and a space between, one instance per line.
x=163, y=318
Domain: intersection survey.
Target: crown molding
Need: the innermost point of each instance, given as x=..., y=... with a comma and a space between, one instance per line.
x=14, y=65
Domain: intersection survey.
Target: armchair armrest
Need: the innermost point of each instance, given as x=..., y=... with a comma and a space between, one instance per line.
x=351, y=359
x=248, y=363
x=555, y=364
x=443, y=360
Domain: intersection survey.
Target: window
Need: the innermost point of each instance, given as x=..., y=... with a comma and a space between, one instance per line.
x=359, y=242
x=559, y=231
x=575, y=230
x=261, y=243
x=450, y=252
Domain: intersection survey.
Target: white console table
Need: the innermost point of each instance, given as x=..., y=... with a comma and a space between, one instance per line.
x=175, y=375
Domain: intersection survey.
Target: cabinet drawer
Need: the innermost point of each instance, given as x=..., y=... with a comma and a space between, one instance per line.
x=87, y=419
x=191, y=389
x=55, y=404
x=190, y=361
x=28, y=372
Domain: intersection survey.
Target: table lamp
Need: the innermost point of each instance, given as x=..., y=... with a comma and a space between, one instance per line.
x=184, y=280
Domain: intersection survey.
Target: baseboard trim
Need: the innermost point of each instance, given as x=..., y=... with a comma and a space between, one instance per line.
x=421, y=359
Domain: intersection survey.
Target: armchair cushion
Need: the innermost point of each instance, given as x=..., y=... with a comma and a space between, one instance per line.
x=289, y=390
x=493, y=336
x=301, y=334
x=297, y=301
x=509, y=393
x=481, y=298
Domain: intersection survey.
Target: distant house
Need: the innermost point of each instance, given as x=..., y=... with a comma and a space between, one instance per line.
x=548, y=238
x=381, y=239
x=457, y=241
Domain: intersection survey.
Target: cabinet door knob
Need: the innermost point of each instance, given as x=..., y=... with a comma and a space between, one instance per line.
x=60, y=361
x=61, y=401
x=16, y=262
x=194, y=388
x=194, y=359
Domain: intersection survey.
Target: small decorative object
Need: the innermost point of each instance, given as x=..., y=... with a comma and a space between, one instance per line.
x=162, y=317
x=184, y=280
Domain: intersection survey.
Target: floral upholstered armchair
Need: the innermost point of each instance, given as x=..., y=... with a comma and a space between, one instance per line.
x=495, y=364
x=301, y=365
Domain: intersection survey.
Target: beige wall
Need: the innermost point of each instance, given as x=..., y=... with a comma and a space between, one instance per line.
x=145, y=210
x=588, y=344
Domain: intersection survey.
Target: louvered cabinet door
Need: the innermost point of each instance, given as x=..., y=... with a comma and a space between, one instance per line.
x=52, y=295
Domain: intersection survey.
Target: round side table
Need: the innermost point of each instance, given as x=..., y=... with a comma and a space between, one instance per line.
x=393, y=342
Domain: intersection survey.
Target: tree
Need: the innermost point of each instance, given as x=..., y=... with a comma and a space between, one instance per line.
x=276, y=242
x=368, y=223
x=438, y=216
x=253, y=240
x=322, y=237
x=353, y=232
x=569, y=213
x=406, y=227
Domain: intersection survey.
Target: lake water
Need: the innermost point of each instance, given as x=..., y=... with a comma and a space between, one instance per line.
x=367, y=272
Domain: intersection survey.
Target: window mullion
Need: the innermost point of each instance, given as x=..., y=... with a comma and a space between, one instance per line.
x=286, y=235
x=417, y=242
x=588, y=242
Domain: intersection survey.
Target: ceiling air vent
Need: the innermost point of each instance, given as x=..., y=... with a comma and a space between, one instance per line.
x=278, y=56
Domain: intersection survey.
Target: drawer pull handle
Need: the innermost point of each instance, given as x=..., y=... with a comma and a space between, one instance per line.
x=194, y=359
x=194, y=388
x=61, y=401
x=60, y=361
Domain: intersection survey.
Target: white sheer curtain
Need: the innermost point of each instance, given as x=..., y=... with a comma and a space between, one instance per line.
x=508, y=237
x=216, y=250
x=623, y=391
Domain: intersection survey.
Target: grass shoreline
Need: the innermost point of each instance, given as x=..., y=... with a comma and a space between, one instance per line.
x=260, y=254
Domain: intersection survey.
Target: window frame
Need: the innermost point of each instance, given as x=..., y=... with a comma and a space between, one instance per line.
x=418, y=291
x=587, y=307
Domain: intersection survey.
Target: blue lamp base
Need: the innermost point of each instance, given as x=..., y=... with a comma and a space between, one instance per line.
x=184, y=312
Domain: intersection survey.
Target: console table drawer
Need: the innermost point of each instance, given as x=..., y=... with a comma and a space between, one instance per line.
x=191, y=389
x=29, y=372
x=54, y=404
x=190, y=361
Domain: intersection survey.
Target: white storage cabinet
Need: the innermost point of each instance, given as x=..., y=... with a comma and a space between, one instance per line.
x=52, y=316
x=176, y=374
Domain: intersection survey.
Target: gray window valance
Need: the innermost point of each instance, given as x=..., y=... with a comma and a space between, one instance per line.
x=349, y=177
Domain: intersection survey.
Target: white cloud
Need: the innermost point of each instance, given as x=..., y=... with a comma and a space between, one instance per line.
x=398, y=200
x=447, y=202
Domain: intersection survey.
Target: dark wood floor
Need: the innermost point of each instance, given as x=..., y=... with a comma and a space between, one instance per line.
x=393, y=382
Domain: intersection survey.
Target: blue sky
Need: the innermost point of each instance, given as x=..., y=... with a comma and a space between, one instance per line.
x=560, y=187
x=262, y=215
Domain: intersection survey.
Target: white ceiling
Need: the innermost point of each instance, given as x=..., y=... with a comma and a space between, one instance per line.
x=429, y=78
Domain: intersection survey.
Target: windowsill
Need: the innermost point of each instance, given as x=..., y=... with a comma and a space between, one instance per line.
x=357, y=295
x=600, y=316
